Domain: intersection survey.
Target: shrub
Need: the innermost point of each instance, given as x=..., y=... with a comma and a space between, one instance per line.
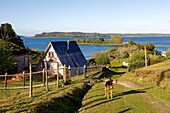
x=168, y=54
x=91, y=62
x=116, y=39
x=6, y=64
x=156, y=59
x=102, y=59
x=137, y=60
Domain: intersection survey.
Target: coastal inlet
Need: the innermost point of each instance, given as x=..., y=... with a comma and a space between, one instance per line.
x=161, y=43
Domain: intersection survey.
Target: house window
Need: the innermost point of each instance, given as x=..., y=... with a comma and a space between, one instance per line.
x=51, y=54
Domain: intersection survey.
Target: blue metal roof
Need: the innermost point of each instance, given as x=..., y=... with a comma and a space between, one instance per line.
x=73, y=57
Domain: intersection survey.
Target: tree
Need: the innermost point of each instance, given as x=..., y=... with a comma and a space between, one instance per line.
x=100, y=40
x=102, y=59
x=150, y=47
x=9, y=35
x=168, y=54
x=116, y=39
x=6, y=64
x=137, y=60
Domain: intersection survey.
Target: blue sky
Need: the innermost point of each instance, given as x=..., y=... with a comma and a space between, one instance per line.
x=29, y=17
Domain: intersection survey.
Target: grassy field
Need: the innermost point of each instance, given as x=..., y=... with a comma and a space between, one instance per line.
x=148, y=97
x=156, y=77
x=124, y=100
x=62, y=99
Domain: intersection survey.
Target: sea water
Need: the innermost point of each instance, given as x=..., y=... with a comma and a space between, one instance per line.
x=89, y=50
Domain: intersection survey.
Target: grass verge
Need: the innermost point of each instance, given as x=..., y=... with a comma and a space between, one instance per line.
x=62, y=99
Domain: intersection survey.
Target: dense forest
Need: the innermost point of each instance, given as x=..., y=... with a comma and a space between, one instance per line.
x=81, y=34
x=114, y=40
x=70, y=34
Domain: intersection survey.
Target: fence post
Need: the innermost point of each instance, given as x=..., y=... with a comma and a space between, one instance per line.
x=46, y=73
x=57, y=74
x=84, y=71
x=43, y=77
x=30, y=80
x=5, y=80
x=64, y=73
x=24, y=79
x=69, y=73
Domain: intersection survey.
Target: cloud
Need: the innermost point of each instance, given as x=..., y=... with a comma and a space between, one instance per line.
x=168, y=20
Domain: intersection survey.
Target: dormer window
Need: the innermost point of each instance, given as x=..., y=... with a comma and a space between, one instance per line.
x=51, y=54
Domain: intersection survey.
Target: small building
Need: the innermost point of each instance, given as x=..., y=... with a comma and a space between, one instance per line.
x=22, y=61
x=163, y=53
x=125, y=63
x=63, y=52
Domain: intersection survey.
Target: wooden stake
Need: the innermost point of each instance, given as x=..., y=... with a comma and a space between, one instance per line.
x=57, y=74
x=5, y=81
x=46, y=76
x=30, y=80
x=69, y=73
x=145, y=57
x=64, y=73
x=24, y=79
x=84, y=71
x=43, y=77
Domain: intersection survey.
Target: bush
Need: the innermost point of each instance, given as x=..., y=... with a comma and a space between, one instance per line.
x=116, y=39
x=91, y=62
x=6, y=64
x=137, y=60
x=156, y=59
x=168, y=54
x=102, y=59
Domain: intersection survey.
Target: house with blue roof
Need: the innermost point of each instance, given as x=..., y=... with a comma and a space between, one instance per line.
x=63, y=52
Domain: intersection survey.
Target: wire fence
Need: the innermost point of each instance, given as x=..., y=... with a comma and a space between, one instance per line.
x=45, y=77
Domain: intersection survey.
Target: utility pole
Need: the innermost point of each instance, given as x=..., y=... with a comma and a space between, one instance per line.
x=145, y=57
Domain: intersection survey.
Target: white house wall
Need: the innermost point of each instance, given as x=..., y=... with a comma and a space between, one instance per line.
x=53, y=64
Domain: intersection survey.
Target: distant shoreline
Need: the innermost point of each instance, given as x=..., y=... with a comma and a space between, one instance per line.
x=99, y=44
x=106, y=37
x=91, y=35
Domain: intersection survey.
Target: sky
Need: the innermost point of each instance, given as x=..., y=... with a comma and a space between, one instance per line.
x=30, y=17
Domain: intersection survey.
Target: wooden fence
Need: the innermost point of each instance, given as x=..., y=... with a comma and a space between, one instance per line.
x=45, y=77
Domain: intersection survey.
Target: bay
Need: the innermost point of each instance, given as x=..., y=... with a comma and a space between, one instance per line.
x=89, y=50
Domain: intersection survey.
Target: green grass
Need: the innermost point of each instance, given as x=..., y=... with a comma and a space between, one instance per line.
x=147, y=98
x=20, y=84
x=117, y=62
x=148, y=77
x=18, y=100
x=124, y=100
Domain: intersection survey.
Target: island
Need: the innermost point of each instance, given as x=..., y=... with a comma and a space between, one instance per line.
x=93, y=35
x=114, y=40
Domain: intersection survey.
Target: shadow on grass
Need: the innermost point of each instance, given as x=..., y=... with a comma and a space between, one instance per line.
x=125, y=110
x=94, y=96
x=105, y=74
x=130, y=92
x=99, y=103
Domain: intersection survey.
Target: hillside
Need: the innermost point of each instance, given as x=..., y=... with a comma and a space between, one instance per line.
x=82, y=34
x=70, y=34
x=156, y=75
x=13, y=48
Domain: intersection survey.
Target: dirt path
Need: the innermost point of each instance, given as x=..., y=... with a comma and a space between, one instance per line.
x=147, y=97
x=127, y=84
x=9, y=81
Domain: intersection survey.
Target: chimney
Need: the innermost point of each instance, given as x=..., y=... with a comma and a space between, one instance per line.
x=68, y=43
